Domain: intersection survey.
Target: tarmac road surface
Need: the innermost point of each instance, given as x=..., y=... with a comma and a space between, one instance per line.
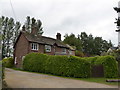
x=20, y=79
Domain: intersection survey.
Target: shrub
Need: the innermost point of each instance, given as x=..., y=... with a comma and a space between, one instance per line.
x=110, y=66
x=79, y=53
x=58, y=65
x=71, y=66
x=35, y=62
x=109, y=63
x=8, y=62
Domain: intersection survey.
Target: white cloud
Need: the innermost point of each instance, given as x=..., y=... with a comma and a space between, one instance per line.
x=68, y=16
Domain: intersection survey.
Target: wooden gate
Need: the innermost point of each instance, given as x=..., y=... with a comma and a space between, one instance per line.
x=97, y=71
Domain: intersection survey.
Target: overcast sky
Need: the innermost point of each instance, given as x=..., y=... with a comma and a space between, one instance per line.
x=94, y=17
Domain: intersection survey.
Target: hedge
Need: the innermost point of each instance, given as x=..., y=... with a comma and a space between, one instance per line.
x=67, y=66
x=70, y=66
x=58, y=65
x=110, y=66
x=8, y=62
x=109, y=63
x=35, y=62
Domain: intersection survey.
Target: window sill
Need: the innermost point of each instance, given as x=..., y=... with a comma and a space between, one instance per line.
x=35, y=50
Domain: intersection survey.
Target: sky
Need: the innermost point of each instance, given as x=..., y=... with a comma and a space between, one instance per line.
x=94, y=17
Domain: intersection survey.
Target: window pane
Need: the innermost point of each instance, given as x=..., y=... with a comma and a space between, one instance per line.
x=34, y=46
x=47, y=48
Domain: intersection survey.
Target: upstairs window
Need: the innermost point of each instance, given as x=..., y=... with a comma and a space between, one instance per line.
x=34, y=46
x=47, y=48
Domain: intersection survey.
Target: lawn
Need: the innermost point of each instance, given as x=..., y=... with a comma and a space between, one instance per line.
x=97, y=80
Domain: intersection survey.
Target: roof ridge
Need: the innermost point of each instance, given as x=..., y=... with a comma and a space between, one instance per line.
x=49, y=37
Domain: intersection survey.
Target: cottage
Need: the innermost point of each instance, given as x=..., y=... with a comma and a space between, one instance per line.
x=32, y=42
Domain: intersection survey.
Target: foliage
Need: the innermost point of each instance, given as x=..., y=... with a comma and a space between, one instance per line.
x=71, y=66
x=79, y=53
x=35, y=62
x=109, y=63
x=58, y=65
x=73, y=41
x=10, y=30
x=8, y=62
x=32, y=22
x=88, y=44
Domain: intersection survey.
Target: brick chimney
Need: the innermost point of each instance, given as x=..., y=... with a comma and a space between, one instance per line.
x=58, y=36
x=34, y=30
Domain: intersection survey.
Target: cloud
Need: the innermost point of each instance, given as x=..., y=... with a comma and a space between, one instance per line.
x=67, y=16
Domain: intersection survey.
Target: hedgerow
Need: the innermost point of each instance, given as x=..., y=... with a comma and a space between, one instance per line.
x=109, y=63
x=35, y=62
x=58, y=65
x=70, y=66
x=110, y=66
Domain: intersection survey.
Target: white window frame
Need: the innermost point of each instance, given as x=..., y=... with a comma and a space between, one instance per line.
x=34, y=46
x=48, y=48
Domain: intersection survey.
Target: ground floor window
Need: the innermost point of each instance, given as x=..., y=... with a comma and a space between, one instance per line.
x=34, y=46
x=47, y=48
x=64, y=50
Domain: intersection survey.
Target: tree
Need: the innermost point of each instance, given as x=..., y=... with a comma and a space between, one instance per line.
x=84, y=39
x=87, y=44
x=32, y=22
x=10, y=32
x=73, y=41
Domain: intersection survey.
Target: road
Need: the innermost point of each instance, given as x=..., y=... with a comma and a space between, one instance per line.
x=20, y=79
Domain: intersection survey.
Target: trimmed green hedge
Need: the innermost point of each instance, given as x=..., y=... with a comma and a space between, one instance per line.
x=58, y=65
x=8, y=62
x=67, y=66
x=109, y=63
x=71, y=66
x=35, y=62
x=110, y=66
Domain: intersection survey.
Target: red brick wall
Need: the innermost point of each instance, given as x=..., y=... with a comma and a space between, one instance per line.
x=21, y=49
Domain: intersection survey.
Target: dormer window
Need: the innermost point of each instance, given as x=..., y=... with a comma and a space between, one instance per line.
x=34, y=46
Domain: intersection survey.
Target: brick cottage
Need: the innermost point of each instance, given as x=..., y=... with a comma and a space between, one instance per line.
x=32, y=42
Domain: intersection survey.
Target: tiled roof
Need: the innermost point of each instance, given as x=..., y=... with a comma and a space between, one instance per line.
x=44, y=40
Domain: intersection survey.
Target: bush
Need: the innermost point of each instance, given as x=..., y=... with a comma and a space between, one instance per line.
x=35, y=62
x=110, y=66
x=67, y=66
x=109, y=63
x=79, y=53
x=58, y=65
x=8, y=62
x=71, y=66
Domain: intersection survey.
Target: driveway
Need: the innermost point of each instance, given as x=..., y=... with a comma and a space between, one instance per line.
x=20, y=79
